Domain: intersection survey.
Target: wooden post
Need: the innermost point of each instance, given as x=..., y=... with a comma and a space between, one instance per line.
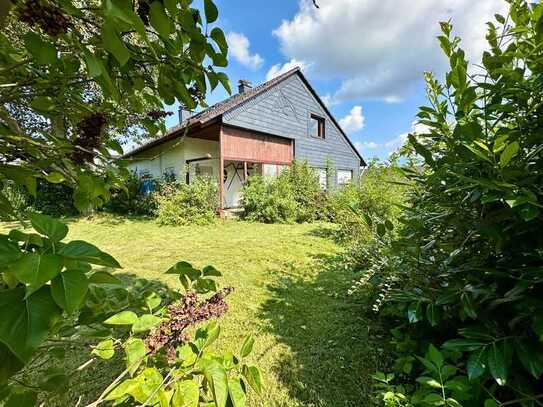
x=221, y=175
x=245, y=173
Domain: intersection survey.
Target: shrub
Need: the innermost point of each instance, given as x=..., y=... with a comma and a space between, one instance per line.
x=132, y=199
x=54, y=199
x=269, y=200
x=464, y=270
x=182, y=204
x=363, y=209
x=294, y=196
x=18, y=197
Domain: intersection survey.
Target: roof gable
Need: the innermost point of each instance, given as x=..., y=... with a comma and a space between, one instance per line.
x=281, y=105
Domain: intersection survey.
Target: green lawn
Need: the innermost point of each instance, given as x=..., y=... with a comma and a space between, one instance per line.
x=314, y=343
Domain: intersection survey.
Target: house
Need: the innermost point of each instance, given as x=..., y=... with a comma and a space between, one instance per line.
x=259, y=130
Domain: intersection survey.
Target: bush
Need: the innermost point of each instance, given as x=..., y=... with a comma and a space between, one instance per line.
x=19, y=198
x=362, y=209
x=54, y=200
x=183, y=204
x=269, y=200
x=463, y=272
x=132, y=199
x=294, y=196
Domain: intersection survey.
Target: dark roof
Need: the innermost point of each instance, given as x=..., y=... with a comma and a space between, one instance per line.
x=218, y=109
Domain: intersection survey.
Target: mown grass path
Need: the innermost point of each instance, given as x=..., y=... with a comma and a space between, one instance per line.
x=312, y=339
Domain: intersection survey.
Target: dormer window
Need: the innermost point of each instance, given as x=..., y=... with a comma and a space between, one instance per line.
x=316, y=126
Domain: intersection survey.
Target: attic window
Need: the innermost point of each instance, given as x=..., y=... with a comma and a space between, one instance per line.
x=316, y=126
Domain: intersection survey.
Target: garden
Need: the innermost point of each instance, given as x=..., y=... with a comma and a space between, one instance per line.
x=417, y=285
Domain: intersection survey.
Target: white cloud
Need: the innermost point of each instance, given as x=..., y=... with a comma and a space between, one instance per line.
x=379, y=49
x=238, y=47
x=279, y=69
x=366, y=145
x=354, y=121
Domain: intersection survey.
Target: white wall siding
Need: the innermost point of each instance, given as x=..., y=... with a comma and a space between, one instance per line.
x=174, y=154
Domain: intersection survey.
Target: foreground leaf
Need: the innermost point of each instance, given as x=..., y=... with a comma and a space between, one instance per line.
x=69, y=290
x=253, y=377
x=48, y=226
x=25, y=323
x=83, y=251
x=36, y=270
x=186, y=394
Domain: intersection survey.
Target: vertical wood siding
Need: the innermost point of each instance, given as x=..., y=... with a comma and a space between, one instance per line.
x=243, y=145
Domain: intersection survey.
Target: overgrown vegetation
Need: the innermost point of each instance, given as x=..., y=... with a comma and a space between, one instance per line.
x=366, y=210
x=462, y=272
x=183, y=204
x=133, y=198
x=294, y=196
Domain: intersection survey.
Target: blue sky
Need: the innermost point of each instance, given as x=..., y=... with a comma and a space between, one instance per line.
x=364, y=57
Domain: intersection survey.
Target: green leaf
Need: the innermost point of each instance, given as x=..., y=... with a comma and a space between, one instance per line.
x=55, y=177
x=207, y=335
x=186, y=273
x=83, y=251
x=104, y=349
x=145, y=323
x=432, y=314
x=210, y=271
x=225, y=82
x=36, y=270
x=253, y=377
x=44, y=52
x=435, y=356
x=55, y=381
x=476, y=365
x=211, y=11
x=152, y=300
x=95, y=67
x=159, y=20
x=103, y=277
x=25, y=322
x=218, y=36
x=478, y=152
x=187, y=394
x=497, y=364
x=429, y=381
x=9, y=364
x=26, y=398
x=205, y=285
x=236, y=392
x=113, y=43
x=135, y=351
x=122, y=318
x=69, y=290
x=21, y=176
x=9, y=252
x=43, y=104
x=531, y=357
x=247, y=346
x=463, y=345
x=48, y=226
x=509, y=153
x=216, y=376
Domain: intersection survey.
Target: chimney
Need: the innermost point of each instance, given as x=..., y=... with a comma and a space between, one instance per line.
x=244, y=85
x=184, y=114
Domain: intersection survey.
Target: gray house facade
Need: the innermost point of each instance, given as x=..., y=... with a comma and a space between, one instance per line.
x=259, y=130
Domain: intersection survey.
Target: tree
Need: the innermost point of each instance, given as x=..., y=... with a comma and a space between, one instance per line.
x=466, y=266
x=75, y=78
x=78, y=76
